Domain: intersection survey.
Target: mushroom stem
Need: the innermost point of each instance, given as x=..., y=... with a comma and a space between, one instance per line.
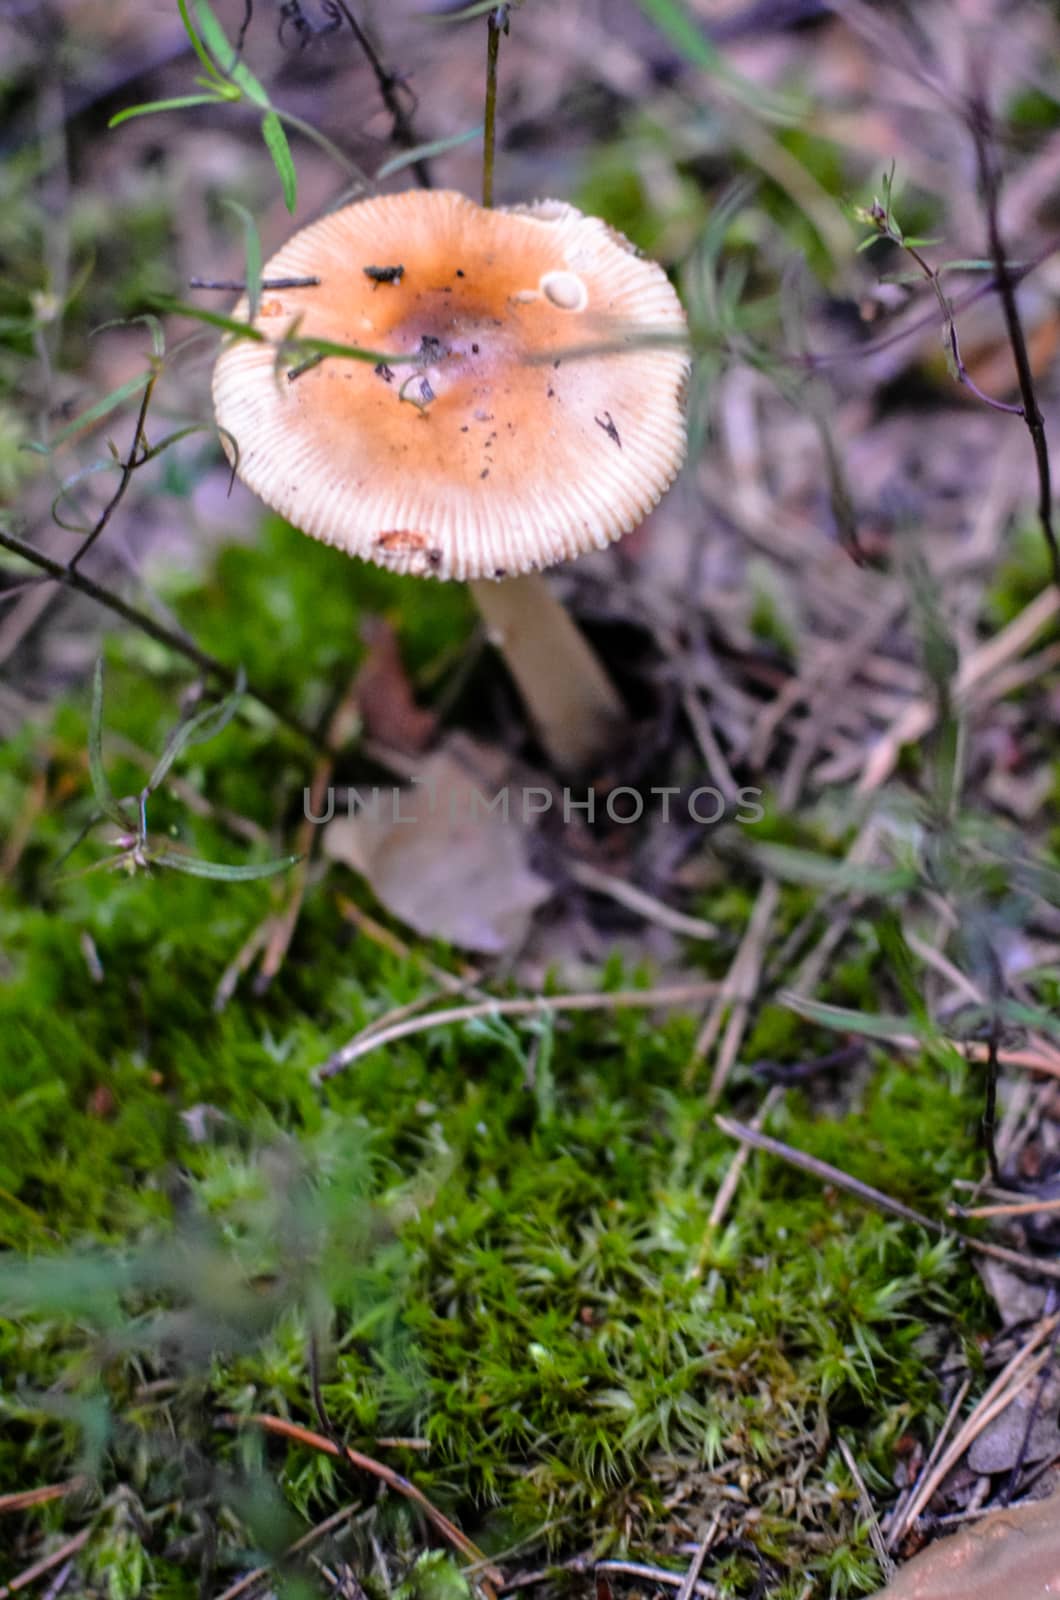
x=575, y=708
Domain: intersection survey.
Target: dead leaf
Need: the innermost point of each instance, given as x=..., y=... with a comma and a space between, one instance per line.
x=445, y=855
x=384, y=694
x=1012, y=1553
x=1001, y=1443
x=1016, y=1299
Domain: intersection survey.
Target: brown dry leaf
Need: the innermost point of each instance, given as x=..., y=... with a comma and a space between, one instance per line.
x=1012, y=1553
x=1005, y=1441
x=384, y=694
x=440, y=859
x=1016, y=1299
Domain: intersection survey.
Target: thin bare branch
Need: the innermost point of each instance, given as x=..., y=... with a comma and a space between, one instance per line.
x=981, y=128
x=162, y=635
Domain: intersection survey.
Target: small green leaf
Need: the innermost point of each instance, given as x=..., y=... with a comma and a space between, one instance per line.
x=179, y=104
x=251, y=255
x=280, y=151
x=105, y=798
x=214, y=319
x=204, y=725
x=196, y=43
x=822, y=872
x=973, y=264
x=867, y=1024
x=225, y=54
x=158, y=335
x=102, y=408
x=219, y=870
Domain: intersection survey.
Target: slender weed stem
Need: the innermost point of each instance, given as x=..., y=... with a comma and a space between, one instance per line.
x=496, y=22
x=980, y=126
x=157, y=631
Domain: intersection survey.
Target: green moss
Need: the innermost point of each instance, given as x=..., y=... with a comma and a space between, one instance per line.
x=532, y=1289
x=1022, y=574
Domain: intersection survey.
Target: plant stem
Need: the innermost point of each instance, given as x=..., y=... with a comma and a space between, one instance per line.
x=322, y=142
x=157, y=631
x=990, y=184
x=389, y=82
x=129, y=466
x=496, y=20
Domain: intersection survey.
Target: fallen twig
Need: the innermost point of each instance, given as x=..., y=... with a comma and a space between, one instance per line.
x=22, y=1499
x=155, y=630
x=826, y=1173
x=46, y=1563
x=378, y=1469
x=979, y=122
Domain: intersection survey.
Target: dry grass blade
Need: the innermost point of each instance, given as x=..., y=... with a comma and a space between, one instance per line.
x=1006, y=1386
x=897, y=1515
x=675, y=995
x=732, y=1008
x=729, y=1184
x=46, y=1564
x=868, y=1510
x=1020, y=1208
x=976, y=670
x=645, y=905
x=24, y=1498
x=250, y=1580
x=695, y=1566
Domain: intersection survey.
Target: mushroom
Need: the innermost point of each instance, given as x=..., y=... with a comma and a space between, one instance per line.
x=537, y=412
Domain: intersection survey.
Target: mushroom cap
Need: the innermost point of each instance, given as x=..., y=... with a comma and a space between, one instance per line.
x=495, y=449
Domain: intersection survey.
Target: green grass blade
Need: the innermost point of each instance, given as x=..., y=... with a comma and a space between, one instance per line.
x=687, y=37
x=196, y=43
x=224, y=53
x=213, y=319
x=824, y=872
x=426, y=152
x=101, y=788
x=204, y=725
x=868, y=1025
x=181, y=103
x=272, y=132
x=158, y=333
x=251, y=255
x=102, y=408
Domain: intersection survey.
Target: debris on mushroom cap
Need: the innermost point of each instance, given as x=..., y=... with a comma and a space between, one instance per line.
x=537, y=410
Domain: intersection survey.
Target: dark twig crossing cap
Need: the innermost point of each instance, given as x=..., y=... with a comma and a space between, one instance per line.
x=538, y=410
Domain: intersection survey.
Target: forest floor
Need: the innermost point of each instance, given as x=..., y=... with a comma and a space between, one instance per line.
x=612, y=1191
